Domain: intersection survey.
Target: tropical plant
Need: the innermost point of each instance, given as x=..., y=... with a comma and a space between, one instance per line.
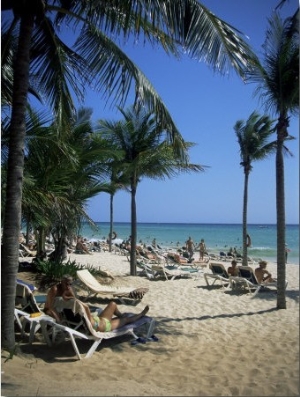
x=50, y=272
x=277, y=79
x=253, y=139
x=63, y=174
x=32, y=51
x=147, y=153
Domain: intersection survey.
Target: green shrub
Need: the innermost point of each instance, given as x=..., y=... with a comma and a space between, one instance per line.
x=55, y=270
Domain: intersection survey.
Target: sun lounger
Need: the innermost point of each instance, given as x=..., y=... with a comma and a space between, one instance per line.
x=27, y=310
x=26, y=300
x=87, y=331
x=247, y=280
x=169, y=272
x=146, y=269
x=218, y=273
x=31, y=286
x=94, y=288
x=33, y=319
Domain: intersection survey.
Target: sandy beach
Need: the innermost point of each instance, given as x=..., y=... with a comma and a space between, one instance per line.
x=211, y=343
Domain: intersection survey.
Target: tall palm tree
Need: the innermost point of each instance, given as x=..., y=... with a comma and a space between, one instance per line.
x=253, y=138
x=32, y=49
x=277, y=79
x=147, y=153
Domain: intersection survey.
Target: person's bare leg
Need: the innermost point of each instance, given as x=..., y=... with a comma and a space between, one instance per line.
x=119, y=322
x=110, y=310
x=53, y=313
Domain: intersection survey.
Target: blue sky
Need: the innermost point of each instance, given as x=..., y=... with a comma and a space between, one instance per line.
x=205, y=106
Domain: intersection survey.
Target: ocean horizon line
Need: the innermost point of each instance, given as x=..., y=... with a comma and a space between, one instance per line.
x=195, y=223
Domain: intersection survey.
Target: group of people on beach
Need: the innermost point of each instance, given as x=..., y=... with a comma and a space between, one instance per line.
x=191, y=247
x=110, y=317
x=261, y=272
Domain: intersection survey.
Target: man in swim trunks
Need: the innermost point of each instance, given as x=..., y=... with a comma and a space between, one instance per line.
x=233, y=269
x=262, y=274
x=190, y=246
x=111, y=318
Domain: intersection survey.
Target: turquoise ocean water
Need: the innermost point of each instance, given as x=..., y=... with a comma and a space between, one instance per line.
x=218, y=237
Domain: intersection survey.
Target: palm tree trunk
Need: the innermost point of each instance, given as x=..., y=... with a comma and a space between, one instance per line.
x=245, y=205
x=13, y=203
x=111, y=221
x=280, y=210
x=133, y=232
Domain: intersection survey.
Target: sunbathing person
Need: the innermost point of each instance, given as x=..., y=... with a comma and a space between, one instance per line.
x=111, y=318
x=62, y=289
x=80, y=246
x=178, y=258
x=262, y=274
x=233, y=269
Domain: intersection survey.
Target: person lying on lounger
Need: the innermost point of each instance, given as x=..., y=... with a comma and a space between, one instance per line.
x=103, y=322
x=111, y=318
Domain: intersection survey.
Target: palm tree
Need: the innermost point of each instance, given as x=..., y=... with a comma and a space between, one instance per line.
x=63, y=174
x=147, y=153
x=253, y=136
x=33, y=51
x=277, y=79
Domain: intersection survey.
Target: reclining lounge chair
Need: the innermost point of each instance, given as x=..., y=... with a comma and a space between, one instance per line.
x=93, y=287
x=219, y=273
x=171, y=272
x=86, y=331
x=247, y=280
x=27, y=309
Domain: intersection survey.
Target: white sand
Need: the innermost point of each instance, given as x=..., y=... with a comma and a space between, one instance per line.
x=211, y=343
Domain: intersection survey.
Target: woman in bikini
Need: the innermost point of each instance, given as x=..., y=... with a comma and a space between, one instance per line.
x=111, y=318
x=104, y=322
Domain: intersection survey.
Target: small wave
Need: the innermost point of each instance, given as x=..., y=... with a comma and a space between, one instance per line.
x=260, y=249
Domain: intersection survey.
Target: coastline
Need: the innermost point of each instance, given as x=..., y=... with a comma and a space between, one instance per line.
x=210, y=343
x=218, y=237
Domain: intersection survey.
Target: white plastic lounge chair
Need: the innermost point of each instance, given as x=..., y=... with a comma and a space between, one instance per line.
x=219, y=273
x=146, y=269
x=94, y=288
x=28, y=309
x=31, y=286
x=89, y=333
x=247, y=279
x=25, y=298
x=23, y=318
x=169, y=272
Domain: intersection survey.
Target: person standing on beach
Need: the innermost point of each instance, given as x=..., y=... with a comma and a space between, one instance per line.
x=190, y=246
x=202, y=249
x=286, y=253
